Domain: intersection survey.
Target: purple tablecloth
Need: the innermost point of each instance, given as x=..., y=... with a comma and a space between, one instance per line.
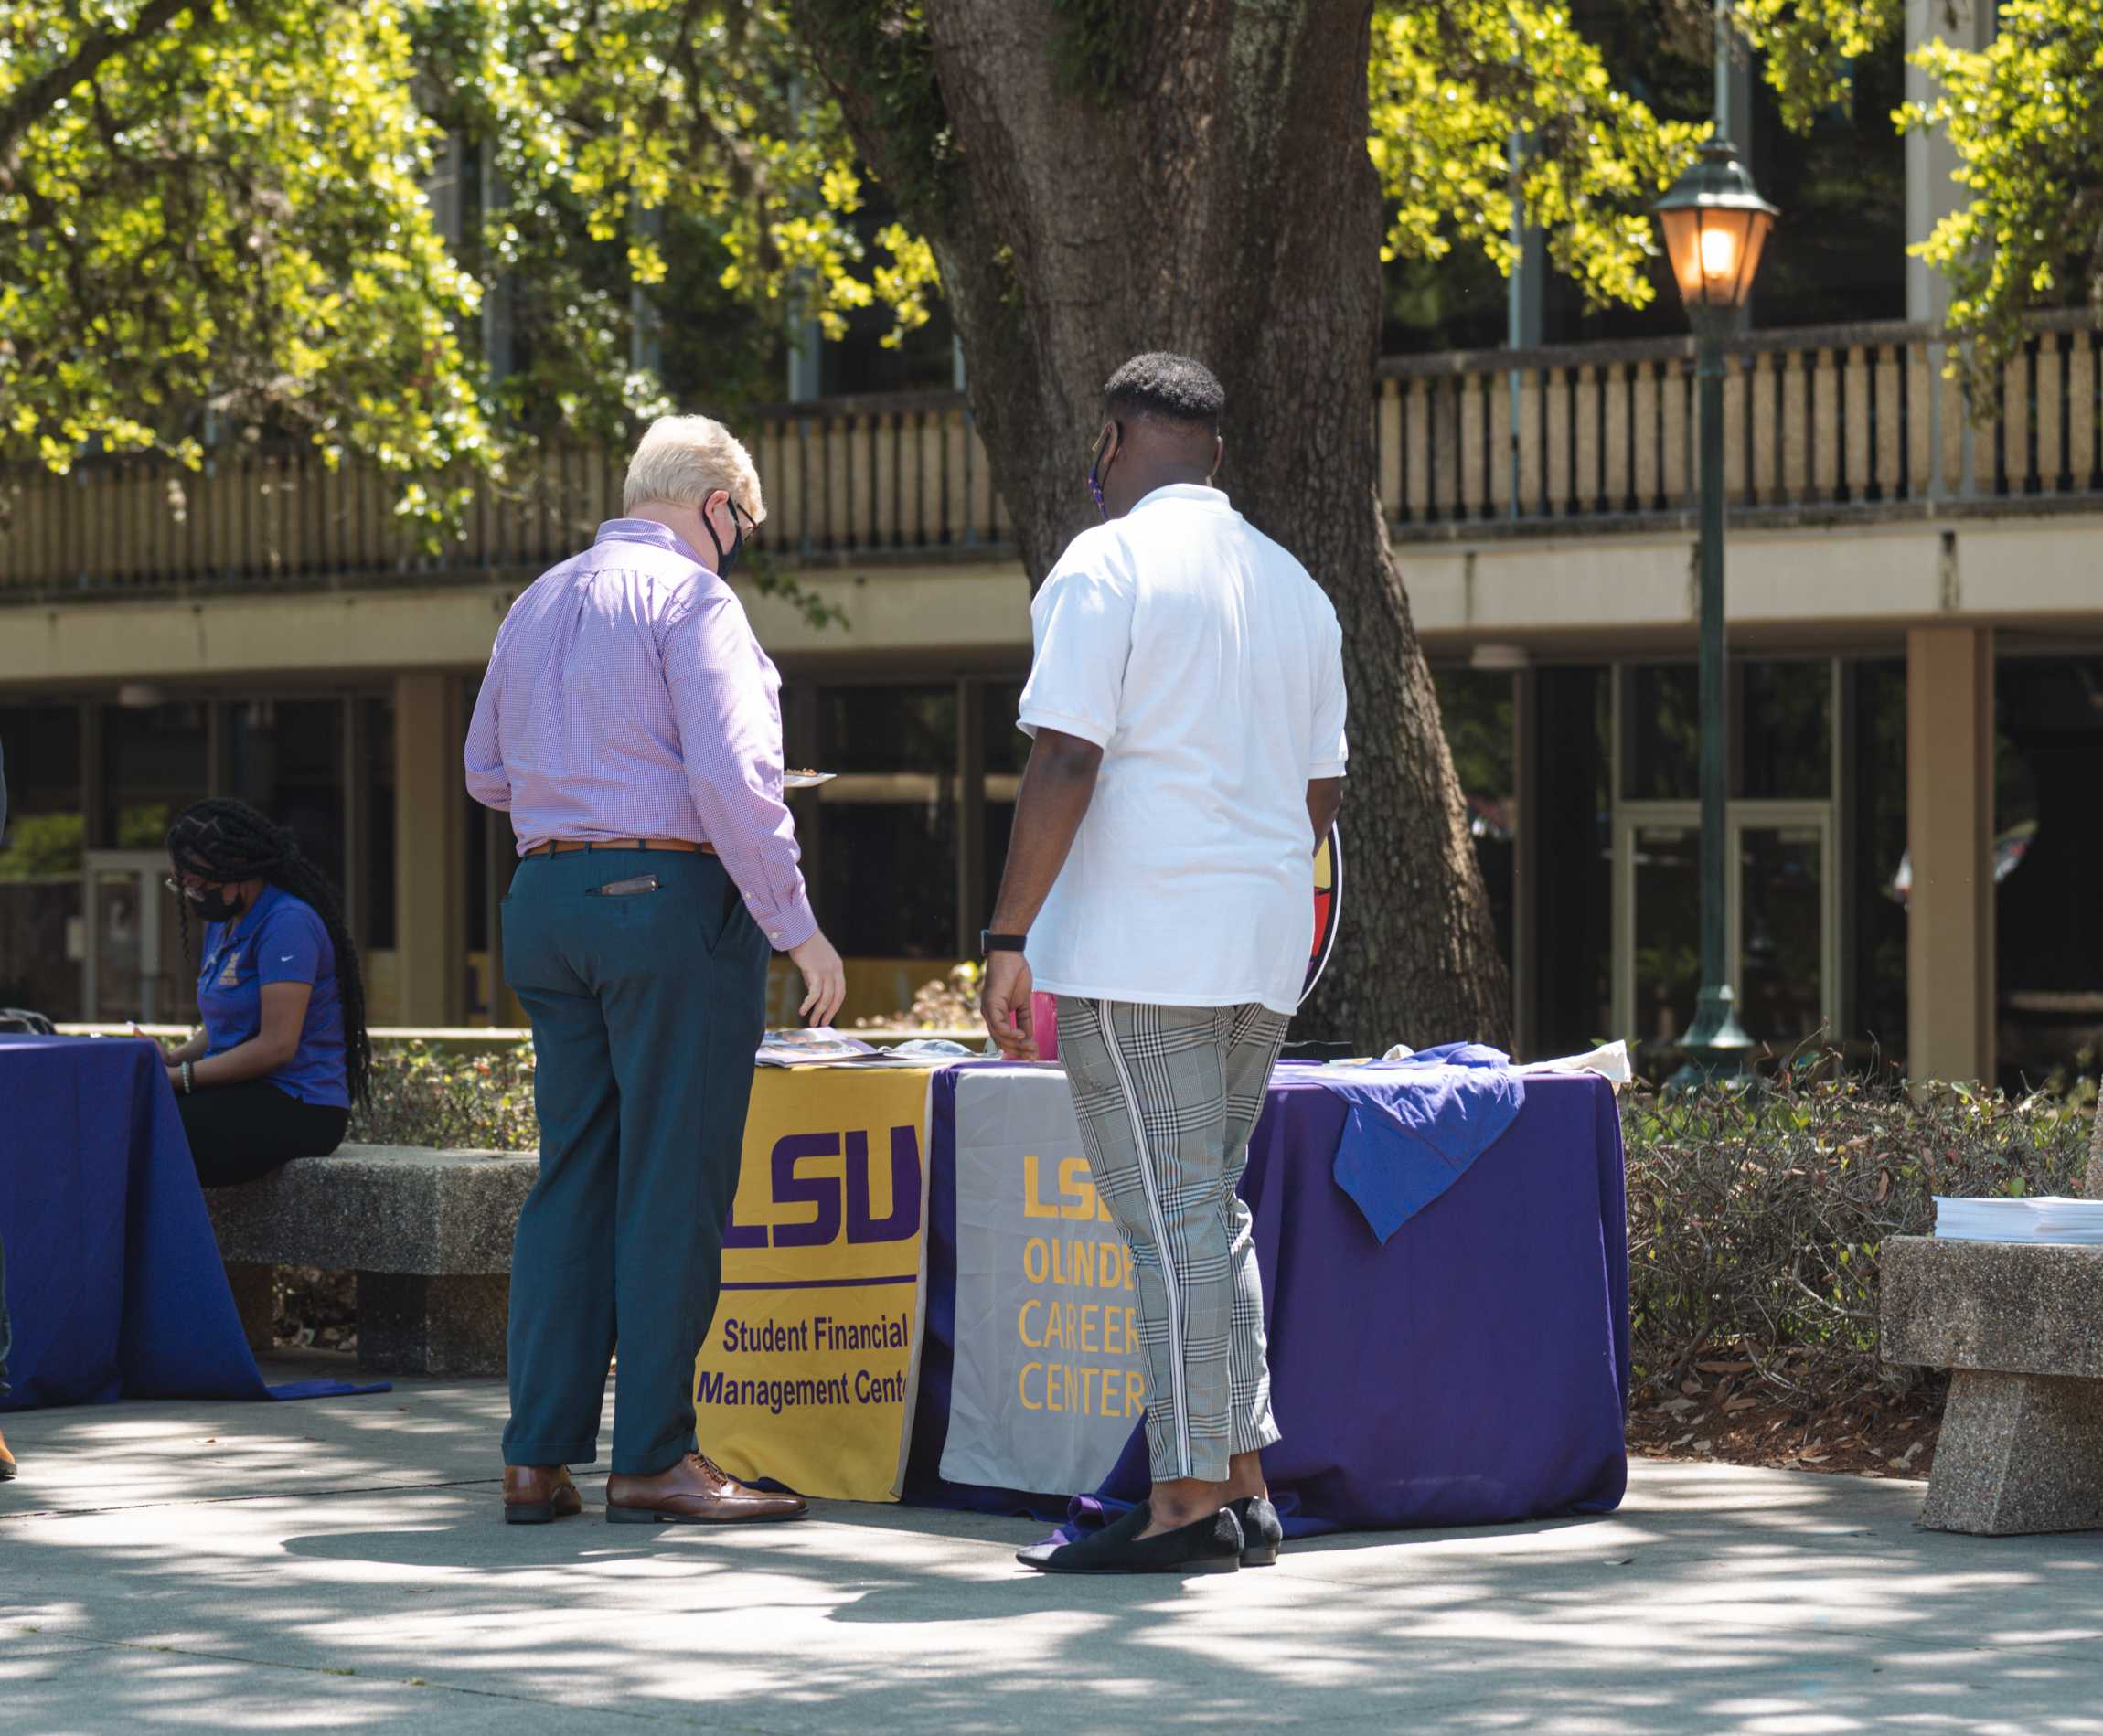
x=113, y=1278
x=1473, y=1370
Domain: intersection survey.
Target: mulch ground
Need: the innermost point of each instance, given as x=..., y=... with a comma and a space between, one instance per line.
x=1722, y=1414
x=316, y=1309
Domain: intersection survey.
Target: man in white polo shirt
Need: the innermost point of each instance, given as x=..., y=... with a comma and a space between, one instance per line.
x=1188, y=708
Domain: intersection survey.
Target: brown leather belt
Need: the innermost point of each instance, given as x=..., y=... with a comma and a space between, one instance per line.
x=565, y=847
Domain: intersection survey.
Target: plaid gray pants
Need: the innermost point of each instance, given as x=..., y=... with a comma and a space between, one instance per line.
x=1167, y=1098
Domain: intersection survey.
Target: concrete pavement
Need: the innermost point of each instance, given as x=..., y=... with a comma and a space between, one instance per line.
x=339, y=1566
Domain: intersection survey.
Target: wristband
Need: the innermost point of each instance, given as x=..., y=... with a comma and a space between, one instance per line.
x=188, y=1072
x=990, y=943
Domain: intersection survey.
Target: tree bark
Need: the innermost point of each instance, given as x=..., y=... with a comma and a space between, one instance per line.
x=1100, y=179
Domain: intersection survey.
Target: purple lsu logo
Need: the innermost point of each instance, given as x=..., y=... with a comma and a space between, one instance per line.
x=826, y=1193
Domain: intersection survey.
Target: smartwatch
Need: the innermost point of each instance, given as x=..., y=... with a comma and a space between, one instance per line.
x=990, y=943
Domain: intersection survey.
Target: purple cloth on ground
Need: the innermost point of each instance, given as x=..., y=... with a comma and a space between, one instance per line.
x=114, y=1276
x=1473, y=1370
x=1402, y=1149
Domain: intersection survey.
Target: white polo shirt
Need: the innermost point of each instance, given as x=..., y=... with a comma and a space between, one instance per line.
x=1209, y=668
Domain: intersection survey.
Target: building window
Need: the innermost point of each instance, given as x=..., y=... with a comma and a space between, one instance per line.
x=1662, y=733
x=41, y=860
x=1782, y=734
x=373, y=922
x=1666, y=859
x=888, y=825
x=1005, y=753
x=1572, y=880
x=1876, y=818
x=156, y=763
x=1784, y=898
x=1782, y=885
x=2048, y=838
x=285, y=759
x=40, y=746
x=1475, y=706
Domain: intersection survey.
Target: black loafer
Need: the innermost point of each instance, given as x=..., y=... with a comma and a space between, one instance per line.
x=1210, y=1545
x=1262, y=1535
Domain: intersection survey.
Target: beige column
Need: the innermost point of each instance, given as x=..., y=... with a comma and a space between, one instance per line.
x=1950, y=837
x=430, y=850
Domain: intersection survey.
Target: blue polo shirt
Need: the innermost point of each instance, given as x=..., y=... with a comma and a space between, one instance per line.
x=281, y=940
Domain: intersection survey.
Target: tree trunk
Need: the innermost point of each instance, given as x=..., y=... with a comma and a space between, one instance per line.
x=1098, y=178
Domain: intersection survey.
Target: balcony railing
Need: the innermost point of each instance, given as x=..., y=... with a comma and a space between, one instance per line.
x=1820, y=424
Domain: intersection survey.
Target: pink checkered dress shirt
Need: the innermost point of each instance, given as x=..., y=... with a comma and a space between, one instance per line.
x=627, y=697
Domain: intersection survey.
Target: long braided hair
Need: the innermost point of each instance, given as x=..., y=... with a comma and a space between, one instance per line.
x=225, y=841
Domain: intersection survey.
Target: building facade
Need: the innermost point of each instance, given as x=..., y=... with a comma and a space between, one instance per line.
x=1917, y=633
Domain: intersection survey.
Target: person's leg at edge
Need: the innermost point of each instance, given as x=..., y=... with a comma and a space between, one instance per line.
x=7, y=1344
x=560, y=1336
x=686, y=1016
x=1150, y=1089
x=1255, y=1037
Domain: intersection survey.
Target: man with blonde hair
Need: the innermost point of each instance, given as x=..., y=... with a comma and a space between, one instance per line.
x=631, y=725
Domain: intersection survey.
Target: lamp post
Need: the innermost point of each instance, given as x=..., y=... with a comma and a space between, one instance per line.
x=1716, y=226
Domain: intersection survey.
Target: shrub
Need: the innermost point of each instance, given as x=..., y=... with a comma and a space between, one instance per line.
x=1755, y=1220
x=425, y=1096
x=947, y=1004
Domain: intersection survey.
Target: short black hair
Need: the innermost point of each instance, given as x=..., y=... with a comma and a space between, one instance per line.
x=1174, y=387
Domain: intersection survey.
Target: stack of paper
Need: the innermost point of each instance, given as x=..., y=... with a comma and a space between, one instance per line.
x=1610, y=1060
x=2044, y=1219
x=828, y=1048
x=819, y=1048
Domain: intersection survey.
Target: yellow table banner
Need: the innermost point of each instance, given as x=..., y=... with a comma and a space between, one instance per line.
x=809, y=1370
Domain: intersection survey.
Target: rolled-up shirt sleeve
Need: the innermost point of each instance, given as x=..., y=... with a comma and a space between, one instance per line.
x=725, y=700
x=488, y=782
x=1082, y=622
x=1331, y=745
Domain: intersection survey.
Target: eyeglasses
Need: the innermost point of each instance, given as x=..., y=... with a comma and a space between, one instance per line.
x=195, y=894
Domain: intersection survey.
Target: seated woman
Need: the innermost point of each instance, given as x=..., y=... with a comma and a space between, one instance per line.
x=283, y=1050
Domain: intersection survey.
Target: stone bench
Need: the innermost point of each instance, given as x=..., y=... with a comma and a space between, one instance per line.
x=427, y=1232
x=2020, y=1326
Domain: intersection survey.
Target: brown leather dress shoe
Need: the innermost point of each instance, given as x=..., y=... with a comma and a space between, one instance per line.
x=540, y=1494
x=694, y=1492
x=6, y=1460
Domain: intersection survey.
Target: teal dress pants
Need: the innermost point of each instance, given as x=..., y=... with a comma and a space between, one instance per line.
x=646, y=1009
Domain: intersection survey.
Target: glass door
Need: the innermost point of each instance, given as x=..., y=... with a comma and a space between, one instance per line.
x=1658, y=959
x=133, y=965
x=1782, y=926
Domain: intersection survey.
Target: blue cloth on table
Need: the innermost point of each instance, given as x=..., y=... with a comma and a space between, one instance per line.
x=1403, y=1148
x=114, y=1278
x=1392, y=1367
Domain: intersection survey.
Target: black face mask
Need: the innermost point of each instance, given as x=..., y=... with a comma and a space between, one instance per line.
x=218, y=904
x=726, y=559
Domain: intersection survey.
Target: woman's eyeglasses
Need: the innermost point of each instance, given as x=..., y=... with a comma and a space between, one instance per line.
x=195, y=894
